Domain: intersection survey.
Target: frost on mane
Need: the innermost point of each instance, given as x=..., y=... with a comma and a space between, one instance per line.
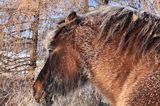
x=49, y=38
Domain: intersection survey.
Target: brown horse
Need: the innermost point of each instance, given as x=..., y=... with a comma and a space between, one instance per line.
x=115, y=48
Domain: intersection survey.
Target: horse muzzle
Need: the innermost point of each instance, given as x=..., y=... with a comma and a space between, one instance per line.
x=40, y=97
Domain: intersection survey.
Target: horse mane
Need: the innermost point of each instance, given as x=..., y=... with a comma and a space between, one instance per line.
x=138, y=32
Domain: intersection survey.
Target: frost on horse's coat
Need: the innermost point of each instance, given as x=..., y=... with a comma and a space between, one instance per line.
x=117, y=50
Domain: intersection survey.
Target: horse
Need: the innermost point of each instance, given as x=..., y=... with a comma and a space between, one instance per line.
x=117, y=49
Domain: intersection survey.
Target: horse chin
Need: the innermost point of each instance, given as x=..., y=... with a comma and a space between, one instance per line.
x=41, y=98
x=46, y=99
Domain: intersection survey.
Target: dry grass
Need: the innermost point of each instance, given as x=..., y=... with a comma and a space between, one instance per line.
x=15, y=92
x=18, y=92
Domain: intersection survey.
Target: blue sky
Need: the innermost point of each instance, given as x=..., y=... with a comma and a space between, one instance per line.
x=92, y=3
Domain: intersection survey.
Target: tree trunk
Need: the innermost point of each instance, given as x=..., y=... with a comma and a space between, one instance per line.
x=33, y=55
x=159, y=6
x=145, y=7
x=139, y=4
x=76, y=2
x=85, y=6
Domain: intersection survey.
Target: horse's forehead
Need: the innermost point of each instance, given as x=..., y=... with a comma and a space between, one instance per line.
x=59, y=29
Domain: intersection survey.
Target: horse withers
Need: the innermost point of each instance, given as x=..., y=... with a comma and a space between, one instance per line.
x=117, y=49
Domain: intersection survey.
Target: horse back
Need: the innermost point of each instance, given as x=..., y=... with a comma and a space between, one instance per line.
x=126, y=81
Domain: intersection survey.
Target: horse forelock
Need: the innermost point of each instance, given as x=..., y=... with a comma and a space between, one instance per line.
x=64, y=25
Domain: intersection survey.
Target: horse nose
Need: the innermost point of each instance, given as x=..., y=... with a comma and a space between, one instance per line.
x=40, y=97
x=36, y=97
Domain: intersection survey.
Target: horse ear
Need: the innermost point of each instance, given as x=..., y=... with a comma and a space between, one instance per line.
x=72, y=15
x=61, y=21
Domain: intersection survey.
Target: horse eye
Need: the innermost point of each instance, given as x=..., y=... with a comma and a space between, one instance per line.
x=50, y=50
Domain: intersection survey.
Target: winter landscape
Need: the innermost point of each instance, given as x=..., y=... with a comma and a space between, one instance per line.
x=24, y=27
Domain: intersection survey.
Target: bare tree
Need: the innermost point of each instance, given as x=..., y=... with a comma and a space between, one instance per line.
x=33, y=55
x=159, y=6
x=85, y=6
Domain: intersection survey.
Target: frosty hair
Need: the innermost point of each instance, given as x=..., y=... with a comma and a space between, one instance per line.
x=49, y=38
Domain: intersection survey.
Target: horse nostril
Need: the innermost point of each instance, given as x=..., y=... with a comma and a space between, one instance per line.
x=37, y=98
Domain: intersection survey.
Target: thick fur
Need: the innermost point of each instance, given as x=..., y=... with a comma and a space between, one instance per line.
x=117, y=49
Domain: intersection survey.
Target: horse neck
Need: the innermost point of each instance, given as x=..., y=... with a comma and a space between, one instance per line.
x=85, y=43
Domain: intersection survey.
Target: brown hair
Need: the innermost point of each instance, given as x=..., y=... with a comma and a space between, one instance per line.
x=102, y=47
